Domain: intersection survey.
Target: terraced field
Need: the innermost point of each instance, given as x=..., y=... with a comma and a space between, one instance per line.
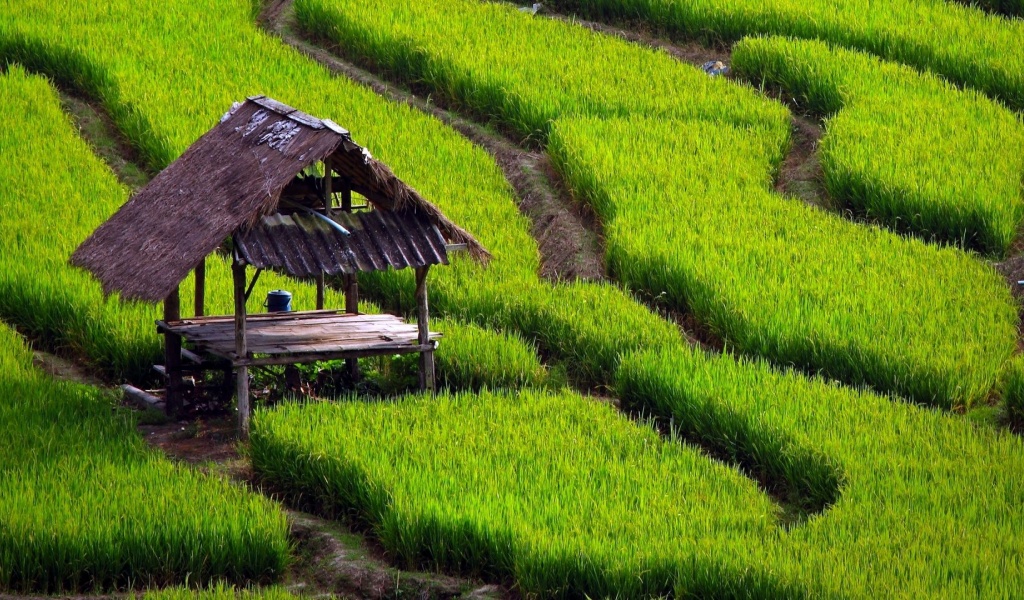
x=767, y=481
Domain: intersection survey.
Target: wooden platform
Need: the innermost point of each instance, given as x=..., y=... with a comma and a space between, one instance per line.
x=295, y=337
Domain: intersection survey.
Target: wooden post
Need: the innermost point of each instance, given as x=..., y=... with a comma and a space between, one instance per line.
x=328, y=201
x=346, y=198
x=241, y=373
x=352, y=308
x=320, y=288
x=423, y=324
x=328, y=183
x=172, y=356
x=201, y=288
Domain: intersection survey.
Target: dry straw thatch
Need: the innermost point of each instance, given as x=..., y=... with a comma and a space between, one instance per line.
x=225, y=182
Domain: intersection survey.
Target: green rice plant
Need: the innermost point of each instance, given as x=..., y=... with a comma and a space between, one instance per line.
x=66, y=309
x=1013, y=390
x=699, y=153
x=785, y=280
x=460, y=51
x=166, y=105
x=963, y=44
x=556, y=494
x=928, y=505
x=560, y=496
x=954, y=176
x=85, y=505
x=512, y=364
x=219, y=592
x=120, y=54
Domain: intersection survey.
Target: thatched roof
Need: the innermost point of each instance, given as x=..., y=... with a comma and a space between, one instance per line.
x=225, y=183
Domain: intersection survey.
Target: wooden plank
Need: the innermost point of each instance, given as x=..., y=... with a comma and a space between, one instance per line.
x=320, y=356
x=283, y=317
x=321, y=337
x=308, y=329
x=141, y=398
x=304, y=314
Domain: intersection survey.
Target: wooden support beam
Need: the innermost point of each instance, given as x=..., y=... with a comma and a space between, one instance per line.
x=352, y=307
x=423, y=325
x=328, y=187
x=172, y=356
x=320, y=289
x=142, y=398
x=346, y=198
x=309, y=357
x=201, y=288
x=241, y=373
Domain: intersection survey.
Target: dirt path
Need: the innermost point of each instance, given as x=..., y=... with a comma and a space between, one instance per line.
x=330, y=559
x=568, y=234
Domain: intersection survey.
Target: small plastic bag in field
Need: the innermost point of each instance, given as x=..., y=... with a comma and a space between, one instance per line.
x=715, y=67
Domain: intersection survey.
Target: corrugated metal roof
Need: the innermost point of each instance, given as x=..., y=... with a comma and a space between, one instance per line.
x=304, y=244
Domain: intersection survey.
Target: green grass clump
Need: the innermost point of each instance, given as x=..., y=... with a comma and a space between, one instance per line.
x=785, y=280
x=513, y=361
x=220, y=592
x=954, y=176
x=929, y=506
x=557, y=493
x=85, y=505
x=1013, y=391
x=963, y=44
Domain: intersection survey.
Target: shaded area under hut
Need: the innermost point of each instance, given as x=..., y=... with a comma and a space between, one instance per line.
x=245, y=185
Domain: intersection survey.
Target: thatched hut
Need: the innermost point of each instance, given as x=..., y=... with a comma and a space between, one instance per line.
x=251, y=185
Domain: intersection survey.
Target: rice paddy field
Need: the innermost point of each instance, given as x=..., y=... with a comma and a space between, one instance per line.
x=822, y=441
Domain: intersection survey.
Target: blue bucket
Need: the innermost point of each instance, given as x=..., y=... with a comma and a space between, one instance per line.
x=279, y=301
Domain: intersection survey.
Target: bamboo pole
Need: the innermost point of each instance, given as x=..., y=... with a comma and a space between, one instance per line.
x=423, y=326
x=242, y=372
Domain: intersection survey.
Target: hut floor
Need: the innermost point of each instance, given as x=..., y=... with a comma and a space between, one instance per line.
x=295, y=337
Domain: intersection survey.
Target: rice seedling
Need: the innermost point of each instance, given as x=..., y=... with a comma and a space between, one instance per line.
x=163, y=107
x=576, y=500
x=66, y=308
x=784, y=280
x=219, y=592
x=657, y=516
x=927, y=504
x=1013, y=390
x=963, y=44
x=954, y=176
x=460, y=50
x=86, y=506
x=695, y=154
